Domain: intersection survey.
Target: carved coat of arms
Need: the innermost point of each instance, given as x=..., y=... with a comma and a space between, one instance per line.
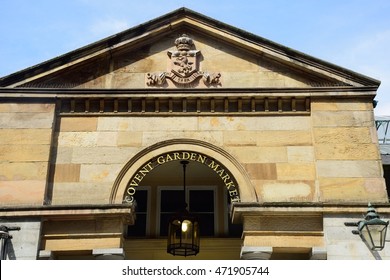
x=184, y=68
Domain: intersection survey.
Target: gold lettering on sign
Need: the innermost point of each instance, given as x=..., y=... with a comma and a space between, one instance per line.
x=137, y=178
x=225, y=176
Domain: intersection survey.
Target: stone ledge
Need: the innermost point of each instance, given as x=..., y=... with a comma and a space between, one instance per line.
x=301, y=208
x=66, y=211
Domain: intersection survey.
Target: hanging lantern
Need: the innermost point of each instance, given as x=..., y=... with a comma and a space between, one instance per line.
x=373, y=230
x=183, y=235
x=5, y=239
x=183, y=231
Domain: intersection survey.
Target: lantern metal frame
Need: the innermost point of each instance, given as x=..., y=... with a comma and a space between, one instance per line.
x=4, y=240
x=372, y=230
x=183, y=231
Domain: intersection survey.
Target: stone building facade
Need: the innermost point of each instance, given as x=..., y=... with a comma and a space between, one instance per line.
x=282, y=147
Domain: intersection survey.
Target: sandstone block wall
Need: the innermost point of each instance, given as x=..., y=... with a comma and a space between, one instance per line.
x=92, y=151
x=330, y=156
x=346, y=149
x=25, y=144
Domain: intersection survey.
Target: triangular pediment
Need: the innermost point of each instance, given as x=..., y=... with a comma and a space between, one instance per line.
x=219, y=55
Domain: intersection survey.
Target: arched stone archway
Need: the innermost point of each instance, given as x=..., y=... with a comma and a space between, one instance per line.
x=198, y=148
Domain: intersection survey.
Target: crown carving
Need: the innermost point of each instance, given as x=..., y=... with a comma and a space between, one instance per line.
x=184, y=43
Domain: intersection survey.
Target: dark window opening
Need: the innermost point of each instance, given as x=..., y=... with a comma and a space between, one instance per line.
x=200, y=204
x=386, y=174
x=155, y=208
x=170, y=203
x=139, y=227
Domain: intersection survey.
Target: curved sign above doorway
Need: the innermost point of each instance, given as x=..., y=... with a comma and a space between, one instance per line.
x=162, y=159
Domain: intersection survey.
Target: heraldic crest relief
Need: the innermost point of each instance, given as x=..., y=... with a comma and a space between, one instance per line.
x=184, y=67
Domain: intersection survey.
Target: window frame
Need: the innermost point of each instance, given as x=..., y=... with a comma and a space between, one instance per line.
x=213, y=188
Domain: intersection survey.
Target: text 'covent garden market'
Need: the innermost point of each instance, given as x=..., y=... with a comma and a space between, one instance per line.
x=187, y=138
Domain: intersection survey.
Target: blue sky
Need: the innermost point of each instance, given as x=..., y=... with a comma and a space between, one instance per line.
x=354, y=34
